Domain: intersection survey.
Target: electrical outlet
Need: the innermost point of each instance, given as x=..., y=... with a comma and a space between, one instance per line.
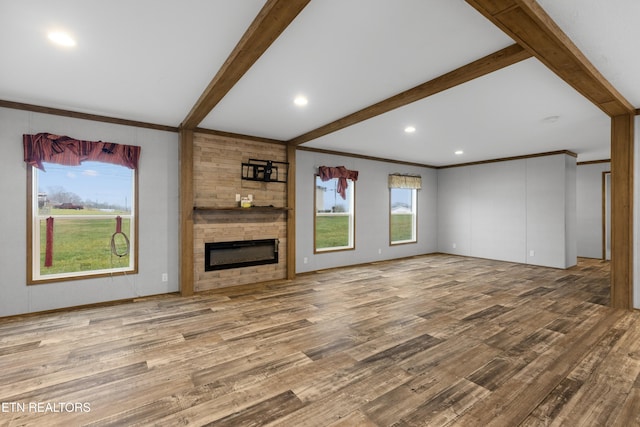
x=305, y=260
x=165, y=277
x=532, y=253
x=454, y=246
x=379, y=251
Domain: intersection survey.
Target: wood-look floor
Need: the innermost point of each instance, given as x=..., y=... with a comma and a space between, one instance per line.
x=427, y=341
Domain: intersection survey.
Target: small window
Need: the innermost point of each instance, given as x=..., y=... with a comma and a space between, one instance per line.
x=83, y=221
x=403, y=214
x=334, y=216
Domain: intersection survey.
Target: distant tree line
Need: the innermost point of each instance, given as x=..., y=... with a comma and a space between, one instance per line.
x=58, y=195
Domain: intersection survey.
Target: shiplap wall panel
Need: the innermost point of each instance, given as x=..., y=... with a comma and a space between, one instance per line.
x=217, y=180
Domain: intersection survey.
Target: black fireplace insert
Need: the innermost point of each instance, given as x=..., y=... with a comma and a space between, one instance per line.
x=241, y=253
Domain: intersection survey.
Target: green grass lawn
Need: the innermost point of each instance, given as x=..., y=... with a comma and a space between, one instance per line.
x=83, y=245
x=401, y=227
x=332, y=231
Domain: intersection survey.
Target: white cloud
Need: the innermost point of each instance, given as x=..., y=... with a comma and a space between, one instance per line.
x=89, y=172
x=71, y=175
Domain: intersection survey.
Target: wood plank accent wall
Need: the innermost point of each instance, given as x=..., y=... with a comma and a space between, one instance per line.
x=186, y=212
x=291, y=217
x=622, y=129
x=217, y=180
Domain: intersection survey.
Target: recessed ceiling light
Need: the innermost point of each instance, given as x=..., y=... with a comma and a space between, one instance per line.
x=301, y=100
x=410, y=129
x=61, y=38
x=459, y=153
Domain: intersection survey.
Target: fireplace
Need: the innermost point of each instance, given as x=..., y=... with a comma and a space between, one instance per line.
x=242, y=253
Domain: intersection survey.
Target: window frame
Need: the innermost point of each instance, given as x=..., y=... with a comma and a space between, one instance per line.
x=352, y=219
x=33, y=233
x=414, y=218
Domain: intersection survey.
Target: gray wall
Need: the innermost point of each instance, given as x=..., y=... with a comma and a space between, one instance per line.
x=520, y=211
x=589, y=222
x=158, y=221
x=372, y=212
x=498, y=210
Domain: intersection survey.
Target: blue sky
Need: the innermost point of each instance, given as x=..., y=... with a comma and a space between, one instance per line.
x=403, y=196
x=330, y=197
x=95, y=181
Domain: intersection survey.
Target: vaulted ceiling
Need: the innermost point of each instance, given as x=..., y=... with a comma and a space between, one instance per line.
x=467, y=75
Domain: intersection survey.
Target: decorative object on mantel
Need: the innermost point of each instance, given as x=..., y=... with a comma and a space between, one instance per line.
x=397, y=180
x=327, y=173
x=265, y=170
x=244, y=202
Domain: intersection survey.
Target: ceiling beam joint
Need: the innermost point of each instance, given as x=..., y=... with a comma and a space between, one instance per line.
x=274, y=17
x=483, y=66
x=529, y=25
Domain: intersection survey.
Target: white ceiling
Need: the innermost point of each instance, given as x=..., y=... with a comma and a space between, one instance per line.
x=347, y=55
x=144, y=60
x=149, y=61
x=607, y=32
x=484, y=122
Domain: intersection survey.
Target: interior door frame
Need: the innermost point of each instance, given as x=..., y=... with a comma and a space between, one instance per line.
x=606, y=219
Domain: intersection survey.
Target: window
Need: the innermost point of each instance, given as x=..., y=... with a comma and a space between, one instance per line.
x=83, y=221
x=403, y=208
x=81, y=207
x=334, y=215
x=402, y=219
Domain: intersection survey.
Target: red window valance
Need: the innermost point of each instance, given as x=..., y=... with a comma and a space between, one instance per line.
x=63, y=150
x=343, y=174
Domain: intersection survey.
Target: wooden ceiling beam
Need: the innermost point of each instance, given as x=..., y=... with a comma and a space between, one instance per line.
x=490, y=63
x=530, y=26
x=274, y=17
